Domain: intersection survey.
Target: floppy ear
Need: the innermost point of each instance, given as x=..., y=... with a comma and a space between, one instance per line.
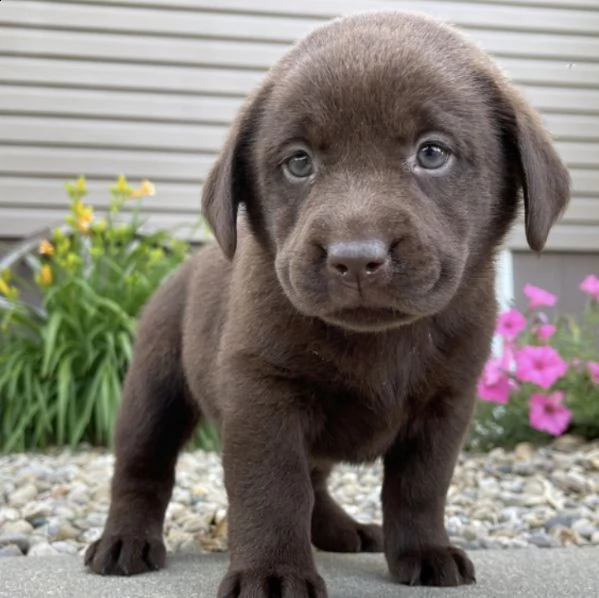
x=230, y=181
x=545, y=179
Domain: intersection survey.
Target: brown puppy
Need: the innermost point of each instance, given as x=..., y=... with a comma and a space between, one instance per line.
x=348, y=311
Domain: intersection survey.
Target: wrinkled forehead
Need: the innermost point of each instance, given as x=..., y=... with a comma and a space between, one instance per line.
x=362, y=86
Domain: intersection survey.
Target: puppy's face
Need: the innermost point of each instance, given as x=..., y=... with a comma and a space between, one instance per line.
x=381, y=165
x=378, y=173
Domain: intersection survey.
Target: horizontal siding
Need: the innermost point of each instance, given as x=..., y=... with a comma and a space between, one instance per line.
x=201, y=79
x=148, y=89
x=481, y=11
x=36, y=221
x=174, y=197
x=207, y=138
x=122, y=47
x=564, y=237
x=64, y=162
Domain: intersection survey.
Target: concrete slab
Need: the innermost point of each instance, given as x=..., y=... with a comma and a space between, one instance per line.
x=529, y=573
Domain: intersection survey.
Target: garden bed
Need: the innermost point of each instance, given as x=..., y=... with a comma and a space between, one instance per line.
x=549, y=497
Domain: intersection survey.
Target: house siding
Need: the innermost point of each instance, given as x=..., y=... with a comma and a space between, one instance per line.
x=148, y=89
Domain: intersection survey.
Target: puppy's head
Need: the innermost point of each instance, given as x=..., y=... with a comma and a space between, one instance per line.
x=381, y=164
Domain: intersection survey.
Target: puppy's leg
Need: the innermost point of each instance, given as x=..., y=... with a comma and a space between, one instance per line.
x=418, y=471
x=156, y=418
x=333, y=529
x=267, y=478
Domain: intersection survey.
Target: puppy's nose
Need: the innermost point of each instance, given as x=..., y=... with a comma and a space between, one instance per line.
x=357, y=261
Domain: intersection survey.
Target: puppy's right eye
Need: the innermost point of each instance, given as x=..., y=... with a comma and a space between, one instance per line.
x=299, y=166
x=432, y=156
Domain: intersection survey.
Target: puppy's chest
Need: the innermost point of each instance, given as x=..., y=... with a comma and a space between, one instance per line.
x=356, y=424
x=357, y=398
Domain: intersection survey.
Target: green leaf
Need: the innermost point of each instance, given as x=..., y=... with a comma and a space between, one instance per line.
x=50, y=338
x=65, y=383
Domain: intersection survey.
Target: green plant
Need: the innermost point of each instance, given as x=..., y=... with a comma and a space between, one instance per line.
x=545, y=382
x=62, y=363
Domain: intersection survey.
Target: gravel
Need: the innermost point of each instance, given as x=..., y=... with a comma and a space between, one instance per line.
x=56, y=503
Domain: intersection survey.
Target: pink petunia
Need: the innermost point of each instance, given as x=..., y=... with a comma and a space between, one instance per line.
x=537, y=297
x=494, y=384
x=545, y=331
x=510, y=324
x=540, y=365
x=548, y=414
x=593, y=367
x=590, y=285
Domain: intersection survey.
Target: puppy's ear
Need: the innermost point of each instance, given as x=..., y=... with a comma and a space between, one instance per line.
x=230, y=181
x=544, y=177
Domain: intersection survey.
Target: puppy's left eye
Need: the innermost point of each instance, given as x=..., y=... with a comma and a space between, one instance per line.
x=432, y=156
x=299, y=166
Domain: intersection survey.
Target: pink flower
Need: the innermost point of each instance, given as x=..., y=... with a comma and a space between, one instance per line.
x=593, y=367
x=538, y=297
x=494, y=384
x=545, y=331
x=540, y=365
x=510, y=324
x=590, y=285
x=548, y=414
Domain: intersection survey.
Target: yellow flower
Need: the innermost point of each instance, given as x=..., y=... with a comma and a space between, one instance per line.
x=81, y=186
x=84, y=216
x=46, y=248
x=121, y=187
x=77, y=189
x=83, y=212
x=146, y=189
x=11, y=293
x=4, y=288
x=45, y=277
x=83, y=226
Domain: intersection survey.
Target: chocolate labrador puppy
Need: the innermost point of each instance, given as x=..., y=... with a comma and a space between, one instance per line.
x=347, y=309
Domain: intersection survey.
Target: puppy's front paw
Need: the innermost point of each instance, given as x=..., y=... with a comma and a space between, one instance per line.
x=117, y=554
x=272, y=583
x=433, y=566
x=348, y=535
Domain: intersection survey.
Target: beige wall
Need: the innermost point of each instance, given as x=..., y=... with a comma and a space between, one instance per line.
x=148, y=88
x=560, y=273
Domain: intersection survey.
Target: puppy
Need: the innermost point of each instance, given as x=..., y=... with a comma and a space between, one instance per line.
x=346, y=311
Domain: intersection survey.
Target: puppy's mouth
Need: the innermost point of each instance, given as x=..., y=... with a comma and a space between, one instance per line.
x=368, y=319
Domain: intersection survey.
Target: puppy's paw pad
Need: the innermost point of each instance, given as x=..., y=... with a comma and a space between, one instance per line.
x=125, y=555
x=273, y=583
x=444, y=566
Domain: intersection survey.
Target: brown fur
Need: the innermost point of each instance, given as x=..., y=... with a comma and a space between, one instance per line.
x=302, y=366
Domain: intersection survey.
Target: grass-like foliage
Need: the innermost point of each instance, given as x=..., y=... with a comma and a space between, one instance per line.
x=63, y=355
